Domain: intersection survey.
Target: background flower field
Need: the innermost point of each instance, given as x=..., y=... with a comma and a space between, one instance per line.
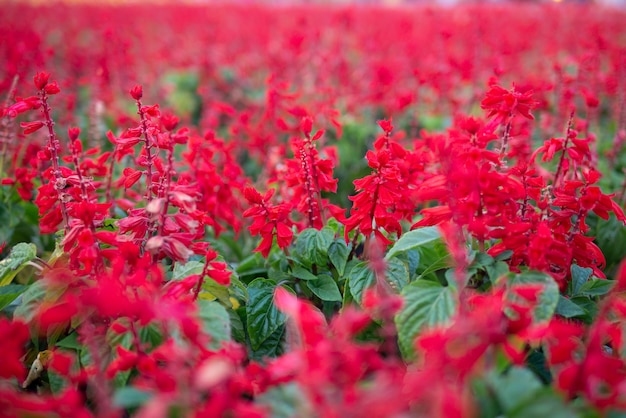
x=312, y=210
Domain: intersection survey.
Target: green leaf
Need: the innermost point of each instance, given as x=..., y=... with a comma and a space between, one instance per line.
x=212, y=288
x=544, y=403
x=516, y=387
x=596, y=287
x=70, y=342
x=580, y=276
x=31, y=301
x=271, y=347
x=414, y=239
x=306, y=246
x=325, y=288
x=323, y=239
x=262, y=316
x=130, y=397
x=568, y=309
x=302, y=273
x=496, y=270
x=504, y=255
x=537, y=363
x=361, y=277
x=426, y=304
x=483, y=260
x=237, y=330
x=397, y=274
x=57, y=382
x=338, y=254
x=433, y=257
x=21, y=254
x=215, y=321
x=285, y=401
x=548, y=299
x=9, y=293
x=190, y=268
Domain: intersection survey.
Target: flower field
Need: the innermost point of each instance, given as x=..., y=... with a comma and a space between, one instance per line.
x=312, y=210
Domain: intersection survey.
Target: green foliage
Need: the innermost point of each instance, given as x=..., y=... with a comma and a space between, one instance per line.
x=426, y=304
x=17, y=259
x=548, y=298
x=262, y=316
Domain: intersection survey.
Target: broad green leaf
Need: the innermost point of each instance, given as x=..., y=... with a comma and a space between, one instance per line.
x=130, y=397
x=151, y=335
x=325, y=288
x=483, y=260
x=211, y=288
x=496, y=270
x=323, y=240
x=190, y=268
x=545, y=403
x=504, y=255
x=312, y=245
x=21, y=254
x=537, y=363
x=589, y=305
x=262, y=316
x=596, y=287
x=254, y=261
x=516, y=387
x=215, y=321
x=426, y=304
x=338, y=254
x=302, y=273
x=306, y=246
x=548, y=299
x=580, y=276
x=238, y=289
x=70, y=342
x=397, y=274
x=433, y=257
x=285, y=401
x=412, y=260
x=31, y=301
x=271, y=347
x=361, y=277
x=568, y=309
x=414, y=239
x=9, y=293
x=237, y=329
x=57, y=382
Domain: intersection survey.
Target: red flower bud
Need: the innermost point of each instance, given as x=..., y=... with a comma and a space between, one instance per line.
x=137, y=92
x=41, y=79
x=30, y=127
x=52, y=88
x=306, y=125
x=73, y=133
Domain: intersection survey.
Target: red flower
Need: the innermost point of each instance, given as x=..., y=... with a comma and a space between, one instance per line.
x=137, y=92
x=503, y=103
x=268, y=220
x=14, y=336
